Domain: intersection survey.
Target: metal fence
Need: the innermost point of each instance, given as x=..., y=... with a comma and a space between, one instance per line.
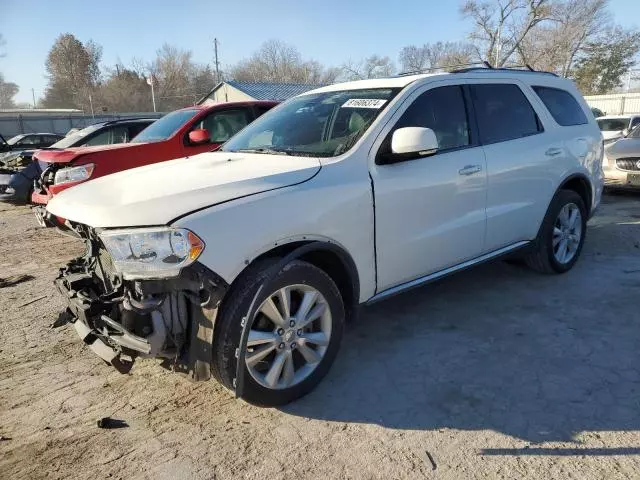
x=617, y=104
x=59, y=123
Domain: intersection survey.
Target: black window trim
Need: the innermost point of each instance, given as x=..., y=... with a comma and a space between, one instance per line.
x=586, y=118
x=539, y=123
x=472, y=126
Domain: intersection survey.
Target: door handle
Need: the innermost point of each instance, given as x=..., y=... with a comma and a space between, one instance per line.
x=553, y=152
x=470, y=169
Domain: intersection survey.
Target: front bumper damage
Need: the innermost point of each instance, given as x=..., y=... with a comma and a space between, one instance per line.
x=122, y=320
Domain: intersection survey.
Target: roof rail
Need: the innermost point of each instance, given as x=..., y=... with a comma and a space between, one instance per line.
x=526, y=68
x=475, y=67
x=446, y=68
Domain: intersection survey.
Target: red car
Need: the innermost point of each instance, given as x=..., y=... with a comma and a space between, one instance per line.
x=178, y=134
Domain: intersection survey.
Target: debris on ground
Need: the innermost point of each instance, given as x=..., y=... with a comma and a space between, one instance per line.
x=110, y=423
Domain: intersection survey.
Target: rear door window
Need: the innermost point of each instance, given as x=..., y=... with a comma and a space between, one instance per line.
x=30, y=140
x=564, y=108
x=503, y=113
x=135, y=129
x=222, y=125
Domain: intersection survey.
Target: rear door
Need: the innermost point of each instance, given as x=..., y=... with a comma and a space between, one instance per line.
x=430, y=210
x=520, y=160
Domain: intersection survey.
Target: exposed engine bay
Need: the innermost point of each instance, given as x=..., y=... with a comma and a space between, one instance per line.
x=121, y=320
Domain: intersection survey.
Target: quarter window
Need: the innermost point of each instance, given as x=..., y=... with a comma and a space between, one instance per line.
x=562, y=105
x=442, y=110
x=503, y=113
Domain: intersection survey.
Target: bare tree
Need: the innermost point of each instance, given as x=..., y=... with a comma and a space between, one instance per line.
x=434, y=55
x=500, y=26
x=124, y=90
x=557, y=44
x=3, y=42
x=277, y=61
x=374, y=66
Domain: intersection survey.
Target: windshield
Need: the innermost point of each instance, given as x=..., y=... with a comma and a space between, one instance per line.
x=612, y=124
x=14, y=140
x=165, y=127
x=319, y=125
x=76, y=138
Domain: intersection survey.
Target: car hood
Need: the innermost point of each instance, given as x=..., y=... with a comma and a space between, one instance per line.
x=66, y=155
x=625, y=147
x=157, y=194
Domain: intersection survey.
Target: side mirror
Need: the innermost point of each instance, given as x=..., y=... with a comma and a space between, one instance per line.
x=414, y=141
x=199, y=136
x=625, y=132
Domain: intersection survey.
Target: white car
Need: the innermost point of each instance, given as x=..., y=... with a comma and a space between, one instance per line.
x=246, y=262
x=614, y=127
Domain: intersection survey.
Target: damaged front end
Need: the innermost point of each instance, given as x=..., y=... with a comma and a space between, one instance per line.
x=123, y=318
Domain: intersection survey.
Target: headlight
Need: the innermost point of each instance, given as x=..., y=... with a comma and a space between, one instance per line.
x=73, y=174
x=152, y=252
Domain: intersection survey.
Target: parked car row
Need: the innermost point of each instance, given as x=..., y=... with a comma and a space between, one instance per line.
x=18, y=175
x=182, y=133
x=244, y=263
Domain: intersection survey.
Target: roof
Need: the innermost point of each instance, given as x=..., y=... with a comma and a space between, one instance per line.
x=402, y=80
x=38, y=133
x=272, y=91
x=388, y=82
x=125, y=120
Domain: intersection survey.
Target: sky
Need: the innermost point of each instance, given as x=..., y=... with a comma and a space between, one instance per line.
x=329, y=31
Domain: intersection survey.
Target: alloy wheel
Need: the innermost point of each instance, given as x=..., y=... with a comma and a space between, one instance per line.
x=567, y=233
x=288, y=336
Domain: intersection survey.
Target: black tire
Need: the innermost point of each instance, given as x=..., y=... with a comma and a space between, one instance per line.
x=541, y=258
x=236, y=305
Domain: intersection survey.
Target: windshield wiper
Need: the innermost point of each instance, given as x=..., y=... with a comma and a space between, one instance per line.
x=267, y=151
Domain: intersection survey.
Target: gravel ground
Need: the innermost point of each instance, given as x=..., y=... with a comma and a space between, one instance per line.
x=497, y=372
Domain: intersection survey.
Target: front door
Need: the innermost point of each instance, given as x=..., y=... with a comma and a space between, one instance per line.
x=430, y=211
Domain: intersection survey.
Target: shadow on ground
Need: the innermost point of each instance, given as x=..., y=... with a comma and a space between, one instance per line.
x=540, y=358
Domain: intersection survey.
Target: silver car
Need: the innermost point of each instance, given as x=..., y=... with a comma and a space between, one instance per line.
x=621, y=162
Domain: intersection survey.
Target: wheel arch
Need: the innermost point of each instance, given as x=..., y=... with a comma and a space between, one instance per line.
x=579, y=183
x=325, y=254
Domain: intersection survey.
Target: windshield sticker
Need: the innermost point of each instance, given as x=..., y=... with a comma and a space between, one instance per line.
x=364, y=103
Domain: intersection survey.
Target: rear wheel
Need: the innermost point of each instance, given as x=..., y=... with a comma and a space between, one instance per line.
x=293, y=338
x=561, y=235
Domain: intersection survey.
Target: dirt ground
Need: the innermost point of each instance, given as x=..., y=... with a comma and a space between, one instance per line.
x=494, y=373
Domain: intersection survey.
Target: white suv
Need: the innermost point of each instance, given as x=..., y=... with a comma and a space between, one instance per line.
x=246, y=262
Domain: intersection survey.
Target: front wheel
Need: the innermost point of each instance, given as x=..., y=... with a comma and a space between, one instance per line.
x=293, y=338
x=561, y=236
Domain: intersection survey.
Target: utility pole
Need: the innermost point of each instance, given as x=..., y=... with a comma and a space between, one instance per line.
x=150, y=81
x=498, y=46
x=215, y=49
x=33, y=94
x=91, y=104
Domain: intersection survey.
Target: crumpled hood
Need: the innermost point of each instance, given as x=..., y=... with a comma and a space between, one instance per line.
x=625, y=147
x=66, y=155
x=158, y=193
